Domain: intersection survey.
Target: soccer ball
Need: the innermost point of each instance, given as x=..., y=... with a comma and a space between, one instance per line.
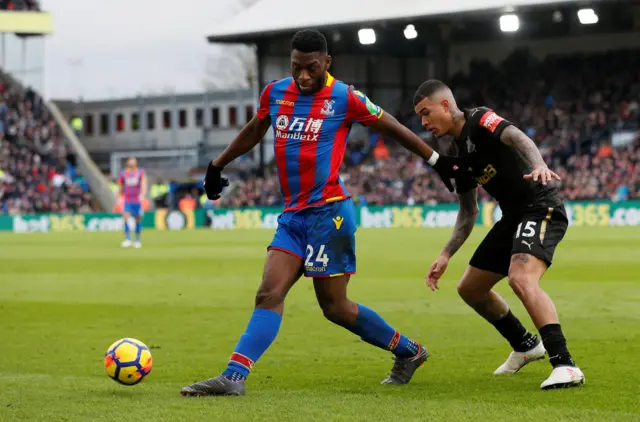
x=128, y=361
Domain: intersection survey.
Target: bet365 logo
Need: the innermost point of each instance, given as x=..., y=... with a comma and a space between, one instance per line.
x=298, y=128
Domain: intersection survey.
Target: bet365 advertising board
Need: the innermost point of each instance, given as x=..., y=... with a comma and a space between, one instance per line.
x=602, y=213
x=597, y=213
x=161, y=219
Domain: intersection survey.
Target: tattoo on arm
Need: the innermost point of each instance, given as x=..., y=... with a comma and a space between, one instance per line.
x=464, y=222
x=514, y=137
x=522, y=257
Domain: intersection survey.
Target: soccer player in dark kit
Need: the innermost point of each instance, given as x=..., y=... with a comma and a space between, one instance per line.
x=520, y=245
x=311, y=114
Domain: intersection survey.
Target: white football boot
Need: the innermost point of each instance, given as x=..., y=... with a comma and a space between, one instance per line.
x=137, y=244
x=563, y=377
x=517, y=360
x=125, y=243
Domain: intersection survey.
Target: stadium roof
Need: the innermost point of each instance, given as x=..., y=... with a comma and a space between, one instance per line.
x=271, y=17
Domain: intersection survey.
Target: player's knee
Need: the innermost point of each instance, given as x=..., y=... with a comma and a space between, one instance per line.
x=463, y=289
x=469, y=293
x=338, y=312
x=269, y=298
x=522, y=284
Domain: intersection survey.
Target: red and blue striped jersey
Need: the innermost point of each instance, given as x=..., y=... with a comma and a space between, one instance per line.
x=311, y=133
x=131, y=183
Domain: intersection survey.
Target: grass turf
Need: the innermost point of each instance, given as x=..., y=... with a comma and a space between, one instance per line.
x=64, y=298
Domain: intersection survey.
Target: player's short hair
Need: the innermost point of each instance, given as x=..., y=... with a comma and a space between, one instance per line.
x=309, y=41
x=427, y=89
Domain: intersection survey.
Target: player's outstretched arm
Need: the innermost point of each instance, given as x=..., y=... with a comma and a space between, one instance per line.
x=514, y=137
x=249, y=137
x=447, y=167
x=465, y=221
x=388, y=125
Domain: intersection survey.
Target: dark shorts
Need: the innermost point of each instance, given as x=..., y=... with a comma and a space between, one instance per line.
x=536, y=232
x=322, y=237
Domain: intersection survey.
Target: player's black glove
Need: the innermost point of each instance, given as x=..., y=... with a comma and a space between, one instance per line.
x=449, y=167
x=214, y=182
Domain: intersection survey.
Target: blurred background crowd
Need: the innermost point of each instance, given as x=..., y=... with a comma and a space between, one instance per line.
x=19, y=5
x=585, y=125
x=37, y=174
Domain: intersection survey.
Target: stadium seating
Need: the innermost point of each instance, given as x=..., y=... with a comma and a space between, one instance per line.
x=564, y=103
x=19, y=5
x=36, y=172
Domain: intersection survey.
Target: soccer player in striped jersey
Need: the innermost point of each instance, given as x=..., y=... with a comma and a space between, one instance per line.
x=311, y=115
x=133, y=187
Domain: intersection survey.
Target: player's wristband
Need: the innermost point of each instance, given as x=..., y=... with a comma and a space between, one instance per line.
x=433, y=159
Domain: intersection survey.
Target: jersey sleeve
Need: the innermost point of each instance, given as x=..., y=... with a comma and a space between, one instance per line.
x=488, y=121
x=464, y=183
x=360, y=108
x=265, y=102
x=121, y=179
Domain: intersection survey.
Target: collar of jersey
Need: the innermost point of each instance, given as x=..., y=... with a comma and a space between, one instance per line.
x=330, y=81
x=464, y=133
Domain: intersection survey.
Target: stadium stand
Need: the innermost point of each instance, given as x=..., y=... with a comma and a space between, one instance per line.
x=574, y=107
x=37, y=174
x=19, y=5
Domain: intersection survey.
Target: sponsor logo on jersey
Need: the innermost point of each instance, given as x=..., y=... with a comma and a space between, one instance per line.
x=490, y=120
x=299, y=128
x=282, y=122
x=285, y=103
x=131, y=180
x=488, y=173
x=338, y=222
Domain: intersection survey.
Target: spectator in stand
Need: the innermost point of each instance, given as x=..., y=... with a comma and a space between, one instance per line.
x=187, y=203
x=33, y=158
x=403, y=179
x=19, y=5
x=575, y=104
x=381, y=152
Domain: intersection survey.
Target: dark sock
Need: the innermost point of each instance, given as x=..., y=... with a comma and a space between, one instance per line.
x=556, y=345
x=512, y=329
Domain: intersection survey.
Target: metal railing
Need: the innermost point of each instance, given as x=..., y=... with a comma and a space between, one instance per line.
x=97, y=181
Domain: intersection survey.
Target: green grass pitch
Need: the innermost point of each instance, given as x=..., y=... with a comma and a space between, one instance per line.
x=64, y=298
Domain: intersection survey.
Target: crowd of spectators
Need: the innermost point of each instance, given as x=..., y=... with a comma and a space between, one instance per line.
x=19, y=5
x=36, y=172
x=582, y=110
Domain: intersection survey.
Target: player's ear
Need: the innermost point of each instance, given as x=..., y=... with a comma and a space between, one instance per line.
x=445, y=105
x=328, y=61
